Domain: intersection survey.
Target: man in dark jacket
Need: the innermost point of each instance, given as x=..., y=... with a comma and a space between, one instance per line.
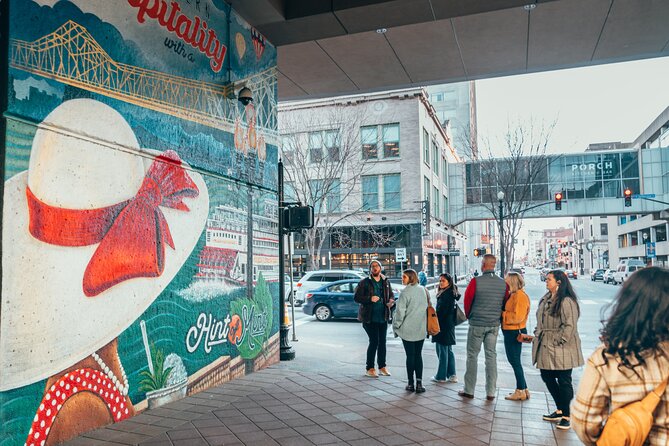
x=484, y=299
x=375, y=296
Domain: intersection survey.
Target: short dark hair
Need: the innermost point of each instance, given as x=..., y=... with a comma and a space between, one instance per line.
x=489, y=257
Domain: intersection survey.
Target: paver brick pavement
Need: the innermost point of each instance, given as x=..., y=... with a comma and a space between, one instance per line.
x=280, y=406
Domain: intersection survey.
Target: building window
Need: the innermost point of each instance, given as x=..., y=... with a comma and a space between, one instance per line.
x=634, y=238
x=445, y=208
x=391, y=192
x=315, y=147
x=438, y=97
x=426, y=188
x=391, y=140
x=622, y=220
x=289, y=191
x=435, y=157
x=436, y=210
x=426, y=147
x=315, y=191
x=325, y=143
x=368, y=135
x=444, y=172
x=661, y=233
x=370, y=192
x=604, y=229
x=333, y=197
x=331, y=138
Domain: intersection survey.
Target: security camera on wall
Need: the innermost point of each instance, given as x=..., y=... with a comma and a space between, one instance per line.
x=245, y=96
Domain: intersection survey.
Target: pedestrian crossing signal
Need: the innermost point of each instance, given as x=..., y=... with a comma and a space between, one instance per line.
x=628, y=197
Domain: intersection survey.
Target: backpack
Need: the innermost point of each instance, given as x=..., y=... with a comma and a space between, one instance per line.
x=630, y=425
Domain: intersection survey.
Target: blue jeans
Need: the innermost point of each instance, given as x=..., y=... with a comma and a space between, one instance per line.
x=488, y=337
x=446, y=367
x=513, y=349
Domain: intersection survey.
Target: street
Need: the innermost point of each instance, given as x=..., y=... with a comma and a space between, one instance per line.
x=341, y=344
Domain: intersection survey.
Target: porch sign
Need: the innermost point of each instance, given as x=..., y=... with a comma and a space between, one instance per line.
x=425, y=216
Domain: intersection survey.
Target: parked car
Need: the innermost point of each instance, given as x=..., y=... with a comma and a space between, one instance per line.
x=335, y=300
x=571, y=273
x=287, y=280
x=625, y=268
x=517, y=270
x=608, y=276
x=317, y=279
x=597, y=274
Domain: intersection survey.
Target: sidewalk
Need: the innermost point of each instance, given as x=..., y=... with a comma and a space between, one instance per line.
x=280, y=406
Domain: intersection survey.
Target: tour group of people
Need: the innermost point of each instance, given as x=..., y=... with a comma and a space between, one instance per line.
x=632, y=361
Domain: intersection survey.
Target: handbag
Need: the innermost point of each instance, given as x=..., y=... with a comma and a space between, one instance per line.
x=433, y=328
x=524, y=338
x=460, y=316
x=631, y=424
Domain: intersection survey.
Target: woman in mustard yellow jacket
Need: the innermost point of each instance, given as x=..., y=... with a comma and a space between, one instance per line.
x=514, y=321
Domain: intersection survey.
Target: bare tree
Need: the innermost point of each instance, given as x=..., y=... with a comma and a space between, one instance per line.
x=322, y=152
x=516, y=165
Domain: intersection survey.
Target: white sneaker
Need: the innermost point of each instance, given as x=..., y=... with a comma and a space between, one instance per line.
x=452, y=379
x=433, y=379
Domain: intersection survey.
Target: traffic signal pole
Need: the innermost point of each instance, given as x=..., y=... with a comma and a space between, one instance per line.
x=286, y=352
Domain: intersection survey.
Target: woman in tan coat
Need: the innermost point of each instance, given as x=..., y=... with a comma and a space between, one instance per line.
x=514, y=321
x=556, y=349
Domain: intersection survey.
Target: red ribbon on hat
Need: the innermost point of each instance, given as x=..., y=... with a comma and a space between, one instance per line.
x=132, y=234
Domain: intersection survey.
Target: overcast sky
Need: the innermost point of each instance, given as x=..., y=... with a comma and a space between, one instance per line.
x=614, y=102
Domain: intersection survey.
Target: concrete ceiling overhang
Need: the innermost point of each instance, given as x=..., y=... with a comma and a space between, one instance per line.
x=332, y=47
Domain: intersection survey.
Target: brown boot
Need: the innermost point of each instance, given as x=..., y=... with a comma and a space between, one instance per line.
x=527, y=393
x=518, y=395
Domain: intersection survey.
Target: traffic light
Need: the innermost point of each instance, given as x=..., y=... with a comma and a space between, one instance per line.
x=558, y=201
x=628, y=197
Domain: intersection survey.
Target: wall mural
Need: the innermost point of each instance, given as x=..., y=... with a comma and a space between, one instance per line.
x=140, y=235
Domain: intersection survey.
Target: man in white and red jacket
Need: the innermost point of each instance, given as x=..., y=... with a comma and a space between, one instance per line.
x=484, y=299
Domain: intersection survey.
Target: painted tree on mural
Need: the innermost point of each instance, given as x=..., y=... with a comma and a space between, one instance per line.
x=324, y=168
x=515, y=164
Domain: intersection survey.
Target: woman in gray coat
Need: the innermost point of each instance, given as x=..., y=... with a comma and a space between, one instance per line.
x=410, y=324
x=556, y=348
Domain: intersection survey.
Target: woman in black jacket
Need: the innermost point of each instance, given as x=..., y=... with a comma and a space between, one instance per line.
x=447, y=294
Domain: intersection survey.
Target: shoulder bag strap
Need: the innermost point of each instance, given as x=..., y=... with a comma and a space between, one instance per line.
x=427, y=294
x=650, y=401
x=659, y=390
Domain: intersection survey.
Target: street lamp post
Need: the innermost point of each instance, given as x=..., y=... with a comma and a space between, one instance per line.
x=500, y=197
x=645, y=247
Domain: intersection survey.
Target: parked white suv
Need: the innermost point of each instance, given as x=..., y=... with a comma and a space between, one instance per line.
x=625, y=268
x=316, y=279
